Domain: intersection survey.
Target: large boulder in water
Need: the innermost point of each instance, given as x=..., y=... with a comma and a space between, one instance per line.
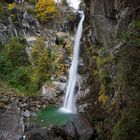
x=80, y=128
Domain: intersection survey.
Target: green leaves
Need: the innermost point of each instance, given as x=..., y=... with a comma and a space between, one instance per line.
x=14, y=64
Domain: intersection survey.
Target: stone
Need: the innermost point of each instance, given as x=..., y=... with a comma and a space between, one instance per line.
x=83, y=107
x=53, y=133
x=23, y=105
x=79, y=128
x=62, y=79
x=11, y=124
x=49, y=93
x=26, y=113
x=60, y=87
x=54, y=91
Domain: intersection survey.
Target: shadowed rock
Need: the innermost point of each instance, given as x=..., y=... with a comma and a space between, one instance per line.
x=54, y=133
x=79, y=128
x=11, y=125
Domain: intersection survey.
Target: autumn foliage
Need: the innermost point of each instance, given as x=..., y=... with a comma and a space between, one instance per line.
x=46, y=9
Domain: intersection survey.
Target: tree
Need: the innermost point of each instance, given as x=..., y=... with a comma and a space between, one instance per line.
x=46, y=9
x=15, y=50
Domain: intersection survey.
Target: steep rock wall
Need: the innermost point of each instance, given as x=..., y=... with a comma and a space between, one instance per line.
x=109, y=55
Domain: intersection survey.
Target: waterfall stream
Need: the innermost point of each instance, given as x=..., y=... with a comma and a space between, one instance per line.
x=69, y=102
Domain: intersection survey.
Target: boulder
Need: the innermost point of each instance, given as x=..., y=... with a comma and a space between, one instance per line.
x=11, y=124
x=54, y=91
x=26, y=113
x=79, y=128
x=53, y=133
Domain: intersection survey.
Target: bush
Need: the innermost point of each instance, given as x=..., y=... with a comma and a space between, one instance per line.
x=46, y=62
x=15, y=50
x=18, y=72
x=31, y=11
x=5, y=65
x=46, y=9
x=132, y=36
x=14, y=64
x=19, y=78
x=127, y=128
x=128, y=84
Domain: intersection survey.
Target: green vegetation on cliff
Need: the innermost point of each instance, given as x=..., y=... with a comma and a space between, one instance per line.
x=26, y=76
x=46, y=62
x=14, y=63
x=128, y=83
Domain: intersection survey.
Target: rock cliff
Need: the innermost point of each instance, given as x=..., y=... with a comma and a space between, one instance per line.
x=110, y=52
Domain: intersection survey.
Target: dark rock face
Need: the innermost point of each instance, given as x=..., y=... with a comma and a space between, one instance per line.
x=24, y=25
x=108, y=18
x=105, y=23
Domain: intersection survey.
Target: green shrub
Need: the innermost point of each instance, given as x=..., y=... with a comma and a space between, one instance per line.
x=45, y=61
x=19, y=78
x=127, y=128
x=31, y=11
x=128, y=85
x=6, y=66
x=14, y=64
x=18, y=72
x=15, y=50
x=132, y=36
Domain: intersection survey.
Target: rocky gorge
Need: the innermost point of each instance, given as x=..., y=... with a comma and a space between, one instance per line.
x=107, y=88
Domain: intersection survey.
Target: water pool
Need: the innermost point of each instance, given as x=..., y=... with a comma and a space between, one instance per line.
x=52, y=115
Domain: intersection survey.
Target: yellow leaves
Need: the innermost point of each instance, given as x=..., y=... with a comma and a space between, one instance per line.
x=102, y=97
x=46, y=9
x=12, y=6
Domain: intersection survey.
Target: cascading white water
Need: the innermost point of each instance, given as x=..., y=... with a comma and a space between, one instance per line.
x=69, y=102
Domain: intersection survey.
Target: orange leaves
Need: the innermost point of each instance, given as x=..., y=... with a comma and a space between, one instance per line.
x=46, y=9
x=102, y=97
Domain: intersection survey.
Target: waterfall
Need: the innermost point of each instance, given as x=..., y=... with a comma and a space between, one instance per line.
x=69, y=102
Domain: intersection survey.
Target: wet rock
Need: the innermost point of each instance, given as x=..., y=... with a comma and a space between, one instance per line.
x=79, y=128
